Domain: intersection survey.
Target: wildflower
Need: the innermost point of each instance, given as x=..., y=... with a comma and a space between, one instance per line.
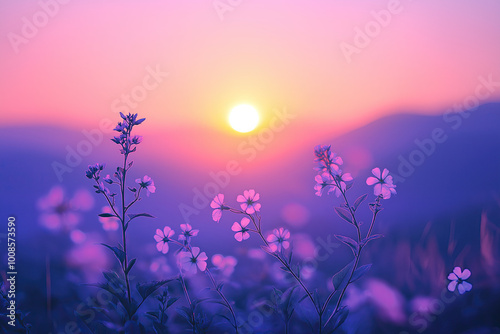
x=327, y=161
x=218, y=206
x=101, y=188
x=225, y=264
x=109, y=223
x=383, y=183
x=323, y=181
x=136, y=140
x=162, y=238
x=190, y=260
x=94, y=171
x=147, y=183
x=248, y=201
x=341, y=179
x=278, y=240
x=332, y=184
x=187, y=232
x=457, y=278
x=108, y=179
x=241, y=229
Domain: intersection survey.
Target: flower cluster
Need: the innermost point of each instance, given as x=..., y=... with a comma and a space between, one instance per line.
x=94, y=171
x=330, y=177
x=189, y=258
x=276, y=241
x=125, y=140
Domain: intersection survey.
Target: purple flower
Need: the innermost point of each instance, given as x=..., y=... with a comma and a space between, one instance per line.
x=147, y=183
x=163, y=238
x=324, y=181
x=94, y=171
x=331, y=184
x=278, y=240
x=241, y=229
x=326, y=160
x=248, y=201
x=218, y=206
x=383, y=182
x=457, y=278
x=136, y=140
x=189, y=261
x=187, y=232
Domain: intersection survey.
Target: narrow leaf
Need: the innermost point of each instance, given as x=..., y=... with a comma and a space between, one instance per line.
x=344, y=214
x=373, y=237
x=350, y=242
x=358, y=273
x=120, y=255
x=135, y=215
x=106, y=215
x=358, y=201
x=130, y=265
x=342, y=276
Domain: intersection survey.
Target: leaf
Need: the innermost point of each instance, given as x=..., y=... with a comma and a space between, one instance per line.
x=135, y=215
x=342, y=276
x=358, y=201
x=225, y=317
x=153, y=314
x=358, y=273
x=171, y=301
x=130, y=265
x=337, y=320
x=185, y=313
x=344, y=214
x=120, y=255
x=132, y=189
x=373, y=237
x=350, y=242
x=106, y=215
x=146, y=289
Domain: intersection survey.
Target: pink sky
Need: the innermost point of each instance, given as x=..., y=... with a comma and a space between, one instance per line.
x=271, y=54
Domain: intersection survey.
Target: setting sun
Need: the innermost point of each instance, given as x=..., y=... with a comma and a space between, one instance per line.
x=243, y=118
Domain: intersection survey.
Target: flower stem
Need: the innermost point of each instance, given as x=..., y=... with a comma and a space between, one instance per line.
x=124, y=236
x=235, y=325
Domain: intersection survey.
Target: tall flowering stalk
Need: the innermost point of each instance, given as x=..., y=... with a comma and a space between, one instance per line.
x=330, y=179
x=119, y=209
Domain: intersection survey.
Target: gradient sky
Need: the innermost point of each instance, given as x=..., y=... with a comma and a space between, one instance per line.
x=271, y=54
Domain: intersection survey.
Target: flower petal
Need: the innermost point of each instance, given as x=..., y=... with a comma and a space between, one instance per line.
x=452, y=286
x=467, y=286
x=371, y=181
x=465, y=274
x=458, y=271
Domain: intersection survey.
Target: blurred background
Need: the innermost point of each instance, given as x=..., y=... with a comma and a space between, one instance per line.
x=412, y=86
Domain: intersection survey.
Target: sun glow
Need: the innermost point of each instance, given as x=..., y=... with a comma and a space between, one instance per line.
x=244, y=118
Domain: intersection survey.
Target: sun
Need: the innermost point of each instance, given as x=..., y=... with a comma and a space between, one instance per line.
x=244, y=118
